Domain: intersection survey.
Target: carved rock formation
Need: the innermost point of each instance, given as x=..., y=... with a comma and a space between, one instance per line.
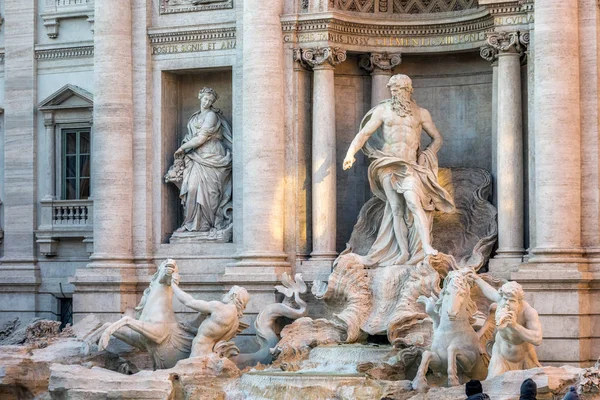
x=292, y=307
x=300, y=337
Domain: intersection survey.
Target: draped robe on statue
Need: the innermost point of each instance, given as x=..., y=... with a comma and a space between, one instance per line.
x=404, y=175
x=206, y=187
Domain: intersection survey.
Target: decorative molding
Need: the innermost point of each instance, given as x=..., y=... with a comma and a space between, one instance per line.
x=192, y=41
x=323, y=56
x=346, y=27
x=364, y=37
x=375, y=62
x=56, y=10
x=510, y=7
x=65, y=52
x=181, y=6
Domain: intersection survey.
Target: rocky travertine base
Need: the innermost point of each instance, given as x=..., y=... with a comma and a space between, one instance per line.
x=194, y=378
x=37, y=344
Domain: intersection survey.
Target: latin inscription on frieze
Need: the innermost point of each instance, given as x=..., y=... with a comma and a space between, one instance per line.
x=514, y=20
x=174, y=48
x=391, y=41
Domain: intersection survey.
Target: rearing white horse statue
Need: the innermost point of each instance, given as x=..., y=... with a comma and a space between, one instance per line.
x=155, y=328
x=456, y=346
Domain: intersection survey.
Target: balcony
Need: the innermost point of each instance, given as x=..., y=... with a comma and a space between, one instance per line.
x=55, y=10
x=65, y=219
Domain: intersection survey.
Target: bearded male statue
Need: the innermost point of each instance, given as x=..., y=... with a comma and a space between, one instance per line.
x=401, y=175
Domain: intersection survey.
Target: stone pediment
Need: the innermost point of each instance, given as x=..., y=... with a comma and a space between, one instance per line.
x=67, y=97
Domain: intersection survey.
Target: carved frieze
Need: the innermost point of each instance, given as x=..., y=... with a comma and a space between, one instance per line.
x=178, y=6
x=193, y=41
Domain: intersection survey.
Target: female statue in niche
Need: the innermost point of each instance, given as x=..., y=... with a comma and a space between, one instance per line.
x=202, y=172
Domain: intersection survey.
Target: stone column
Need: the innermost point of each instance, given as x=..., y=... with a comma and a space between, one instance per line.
x=262, y=135
x=112, y=167
x=19, y=274
x=50, y=174
x=557, y=133
x=323, y=62
x=380, y=66
x=507, y=48
x=300, y=120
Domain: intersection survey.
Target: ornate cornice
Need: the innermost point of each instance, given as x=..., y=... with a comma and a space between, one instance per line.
x=323, y=56
x=374, y=62
x=345, y=27
x=510, y=7
x=197, y=35
x=65, y=52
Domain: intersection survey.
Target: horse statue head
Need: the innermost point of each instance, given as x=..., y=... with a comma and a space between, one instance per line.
x=455, y=298
x=166, y=272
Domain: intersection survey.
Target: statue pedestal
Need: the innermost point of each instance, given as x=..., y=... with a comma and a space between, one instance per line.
x=214, y=235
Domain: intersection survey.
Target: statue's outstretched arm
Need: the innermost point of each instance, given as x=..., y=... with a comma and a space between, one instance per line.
x=187, y=300
x=487, y=289
x=532, y=332
x=361, y=138
x=431, y=130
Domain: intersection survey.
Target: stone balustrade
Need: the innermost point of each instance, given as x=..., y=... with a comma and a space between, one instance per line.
x=64, y=219
x=62, y=4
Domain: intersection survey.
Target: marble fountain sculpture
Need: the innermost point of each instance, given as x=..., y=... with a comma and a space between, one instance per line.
x=405, y=299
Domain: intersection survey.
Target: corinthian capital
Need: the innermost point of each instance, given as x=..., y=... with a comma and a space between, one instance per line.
x=376, y=62
x=323, y=56
x=508, y=42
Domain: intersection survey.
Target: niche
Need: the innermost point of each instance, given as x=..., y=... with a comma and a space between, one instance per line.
x=204, y=170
